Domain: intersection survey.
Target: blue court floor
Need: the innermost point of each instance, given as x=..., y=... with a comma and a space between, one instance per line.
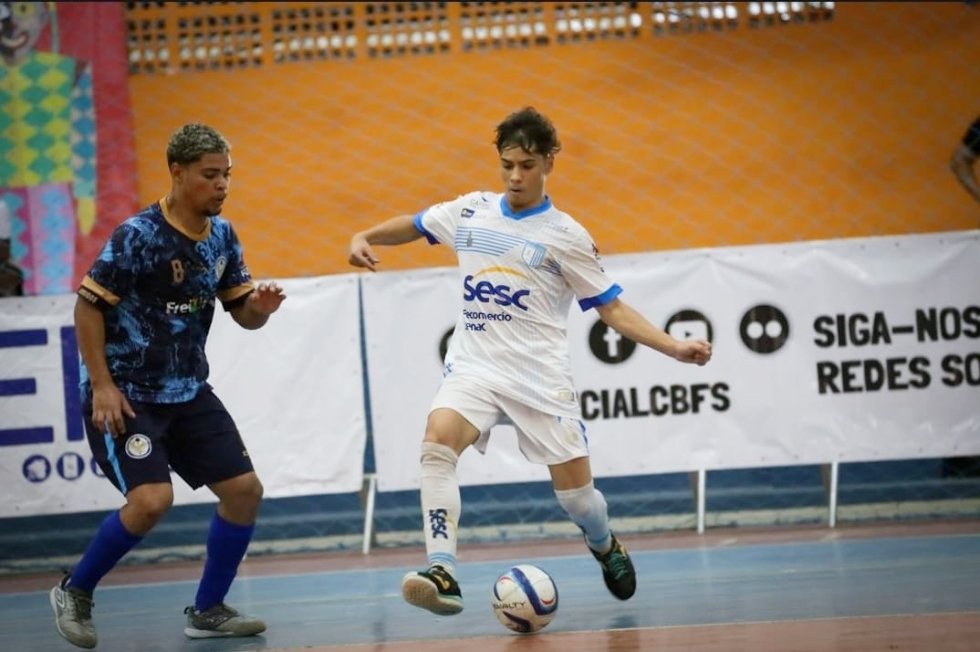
x=703, y=581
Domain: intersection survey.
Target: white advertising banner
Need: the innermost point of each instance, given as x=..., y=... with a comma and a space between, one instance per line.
x=845, y=350
x=293, y=387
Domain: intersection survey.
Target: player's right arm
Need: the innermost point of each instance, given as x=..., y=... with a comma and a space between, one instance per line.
x=108, y=403
x=398, y=230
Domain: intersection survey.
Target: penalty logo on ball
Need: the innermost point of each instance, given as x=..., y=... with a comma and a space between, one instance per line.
x=524, y=599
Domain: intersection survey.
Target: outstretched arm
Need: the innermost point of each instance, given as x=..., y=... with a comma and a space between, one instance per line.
x=396, y=231
x=627, y=321
x=262, y=302
x=961, y=164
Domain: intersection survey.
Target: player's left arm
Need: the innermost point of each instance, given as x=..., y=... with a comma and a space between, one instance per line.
x=628, y=322
x=254, y=311
x=585, y=275
x=249, y=305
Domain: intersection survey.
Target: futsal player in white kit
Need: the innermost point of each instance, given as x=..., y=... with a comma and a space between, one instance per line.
x=522, y=261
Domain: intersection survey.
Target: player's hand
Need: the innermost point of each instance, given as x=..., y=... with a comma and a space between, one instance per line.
x=108, y=408
x=361, y=254
x=266, y=298
x=696, y=351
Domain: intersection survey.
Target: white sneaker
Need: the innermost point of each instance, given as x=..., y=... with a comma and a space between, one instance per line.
x=73, y=614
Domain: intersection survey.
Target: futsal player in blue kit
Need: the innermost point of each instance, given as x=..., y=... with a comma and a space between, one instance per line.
x=142, y=319
x=522, y=262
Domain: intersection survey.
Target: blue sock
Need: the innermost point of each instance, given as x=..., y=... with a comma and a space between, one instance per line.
x=110, y=543
x=226, y=547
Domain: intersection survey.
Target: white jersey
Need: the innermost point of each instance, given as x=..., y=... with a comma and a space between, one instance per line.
x=520, y=272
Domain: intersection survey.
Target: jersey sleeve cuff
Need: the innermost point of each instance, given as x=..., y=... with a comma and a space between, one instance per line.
x=601, y=299
x=236, y=296
x=417, y=221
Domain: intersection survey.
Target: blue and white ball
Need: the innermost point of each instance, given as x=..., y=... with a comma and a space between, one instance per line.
x=524, y=599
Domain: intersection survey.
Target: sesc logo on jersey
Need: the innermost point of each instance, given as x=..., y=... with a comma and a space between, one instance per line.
x=500, y=294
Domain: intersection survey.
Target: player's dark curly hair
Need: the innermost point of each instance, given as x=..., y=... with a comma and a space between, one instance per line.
x=529, y=130
x=192, y=141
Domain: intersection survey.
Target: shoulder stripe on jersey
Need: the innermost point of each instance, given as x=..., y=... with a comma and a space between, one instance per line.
x=95, y=293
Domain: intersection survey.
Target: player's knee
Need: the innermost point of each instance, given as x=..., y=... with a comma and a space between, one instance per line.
x=449, y=428
x=253, y=490
x=149, y=503
x=244, y=492
x=434, y=454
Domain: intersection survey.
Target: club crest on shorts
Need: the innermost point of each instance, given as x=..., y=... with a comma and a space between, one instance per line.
x=138, y=446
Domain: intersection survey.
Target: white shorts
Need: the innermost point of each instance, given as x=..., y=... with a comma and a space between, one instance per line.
x=543, y=438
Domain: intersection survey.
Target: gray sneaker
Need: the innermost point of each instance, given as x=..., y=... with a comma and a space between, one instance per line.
x=220, y=620
x=73, y=614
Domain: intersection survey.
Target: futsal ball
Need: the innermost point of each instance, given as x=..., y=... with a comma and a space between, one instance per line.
x=524, y=599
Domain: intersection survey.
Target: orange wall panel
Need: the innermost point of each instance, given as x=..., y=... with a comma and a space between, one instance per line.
x=795, y=132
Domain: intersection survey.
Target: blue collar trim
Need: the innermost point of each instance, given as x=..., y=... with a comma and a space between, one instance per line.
x=528, y=212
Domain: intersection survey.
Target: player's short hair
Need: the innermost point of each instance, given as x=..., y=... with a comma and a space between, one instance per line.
x=192, y=141
x=529, y=130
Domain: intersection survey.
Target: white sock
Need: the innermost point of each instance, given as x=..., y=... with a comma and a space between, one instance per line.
x=441, y=505
x=586, y=506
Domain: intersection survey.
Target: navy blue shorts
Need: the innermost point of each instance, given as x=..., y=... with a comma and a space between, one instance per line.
x=197, y=439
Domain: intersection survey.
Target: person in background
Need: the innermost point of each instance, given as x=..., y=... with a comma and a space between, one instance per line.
x=11, y=276
x=964, y=159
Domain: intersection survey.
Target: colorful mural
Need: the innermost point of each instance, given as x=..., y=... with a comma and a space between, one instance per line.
x=50, y=181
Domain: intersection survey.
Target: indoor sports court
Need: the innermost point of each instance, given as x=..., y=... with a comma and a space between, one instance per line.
x=858, y=589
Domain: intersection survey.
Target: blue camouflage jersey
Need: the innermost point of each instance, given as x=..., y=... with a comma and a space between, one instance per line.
x=156, y=285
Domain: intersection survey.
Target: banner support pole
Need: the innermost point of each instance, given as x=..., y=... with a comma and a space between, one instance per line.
x=372, y=487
